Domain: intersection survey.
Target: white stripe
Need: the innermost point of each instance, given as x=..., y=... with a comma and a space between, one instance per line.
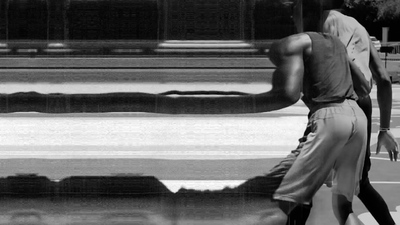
x=385, y=182
x=202, y=185
x=101, y=87
x=175, y=185
x=159, y=137
x=145, y=152
x=385, y=159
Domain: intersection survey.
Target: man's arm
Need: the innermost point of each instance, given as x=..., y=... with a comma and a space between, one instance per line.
x=384, y=87
x=286, y=54
x=384, y=95
x=360, y=84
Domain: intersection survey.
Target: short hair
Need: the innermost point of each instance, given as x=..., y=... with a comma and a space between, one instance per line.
x=332, y=4
x=312, y=13
x=312, y=10
x=322, y=4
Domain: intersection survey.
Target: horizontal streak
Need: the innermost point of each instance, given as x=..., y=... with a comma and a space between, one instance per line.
x=175, y=185
x=100, y=87
x=384, y=159
x=206, y=50
x=138, y=62
x=159, y=131
x=149, y=67
x=385, y=182
x=127, y=76
x=180, y=152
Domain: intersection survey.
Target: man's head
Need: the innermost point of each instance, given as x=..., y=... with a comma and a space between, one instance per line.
x=307, y=14
x=332, y=4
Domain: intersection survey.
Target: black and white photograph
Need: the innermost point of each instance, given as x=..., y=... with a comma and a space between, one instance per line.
x=199, y=112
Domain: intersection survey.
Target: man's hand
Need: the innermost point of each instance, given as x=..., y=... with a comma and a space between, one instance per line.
x=386, y=139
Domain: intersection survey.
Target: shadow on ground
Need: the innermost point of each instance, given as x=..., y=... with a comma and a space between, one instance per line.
x=32, y=199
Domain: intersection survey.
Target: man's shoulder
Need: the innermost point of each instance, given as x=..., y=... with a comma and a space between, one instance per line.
x=293, y=45
x=294, y=42
x=335, y=16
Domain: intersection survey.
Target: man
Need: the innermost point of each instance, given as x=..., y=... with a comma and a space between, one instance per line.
x=316, y=65
x=365, y=56
x=341, y=202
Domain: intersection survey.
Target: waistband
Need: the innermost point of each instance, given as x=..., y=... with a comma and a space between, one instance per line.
x=349, y=102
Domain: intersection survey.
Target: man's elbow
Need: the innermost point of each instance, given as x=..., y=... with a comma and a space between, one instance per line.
x=383, y=80
x=290, y=96
x=275, y=100
x=379, y=73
